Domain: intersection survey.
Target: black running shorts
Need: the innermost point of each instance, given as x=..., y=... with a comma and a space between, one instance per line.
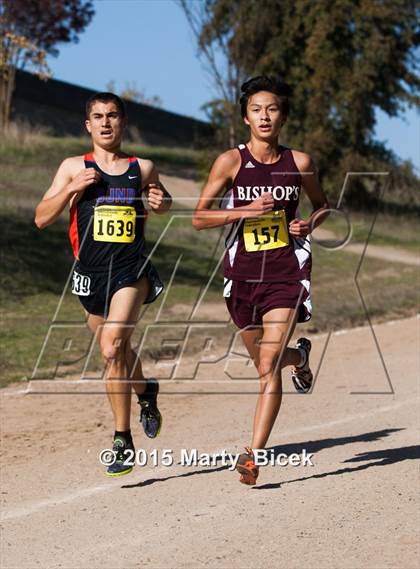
x=95, y=289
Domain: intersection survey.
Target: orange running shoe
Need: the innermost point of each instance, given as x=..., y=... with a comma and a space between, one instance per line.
x=247, y=468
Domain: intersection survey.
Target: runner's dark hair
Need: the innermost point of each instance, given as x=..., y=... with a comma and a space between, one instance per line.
x=106, y=98
x=272, y=84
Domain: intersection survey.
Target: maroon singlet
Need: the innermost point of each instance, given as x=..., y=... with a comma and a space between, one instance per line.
x=291, y=262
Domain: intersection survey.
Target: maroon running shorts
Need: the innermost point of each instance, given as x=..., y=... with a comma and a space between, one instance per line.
x=247, y=302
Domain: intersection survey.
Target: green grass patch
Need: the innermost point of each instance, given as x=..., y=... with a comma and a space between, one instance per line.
x=388, y=290
x=384, y=229
x=41, y=151
x=35, y=265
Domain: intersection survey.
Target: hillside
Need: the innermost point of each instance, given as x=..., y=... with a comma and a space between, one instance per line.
x=36, y=264
x=59, y=108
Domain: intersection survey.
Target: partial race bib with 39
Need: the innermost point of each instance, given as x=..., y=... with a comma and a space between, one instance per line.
x=80, y=284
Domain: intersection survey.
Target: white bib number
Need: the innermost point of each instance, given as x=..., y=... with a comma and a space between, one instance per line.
x=80, y=284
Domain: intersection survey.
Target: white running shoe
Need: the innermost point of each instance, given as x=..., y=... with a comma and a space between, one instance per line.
x=302, y=377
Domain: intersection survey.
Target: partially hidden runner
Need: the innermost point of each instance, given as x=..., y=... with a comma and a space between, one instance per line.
x=267, y=263
x=112, y=276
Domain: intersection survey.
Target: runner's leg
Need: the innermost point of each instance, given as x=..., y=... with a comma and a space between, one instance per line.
x=278, y=327
x=116, y=350
x=252, y=340
x=95, y=324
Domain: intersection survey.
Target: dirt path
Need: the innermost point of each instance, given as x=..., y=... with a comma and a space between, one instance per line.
x=184, y=192
x=357, y=507
x=392, y=254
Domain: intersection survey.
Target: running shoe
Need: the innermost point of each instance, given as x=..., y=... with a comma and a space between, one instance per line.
x=150, y=417
x=247, y=468
x=302, y=377
x=124, y=461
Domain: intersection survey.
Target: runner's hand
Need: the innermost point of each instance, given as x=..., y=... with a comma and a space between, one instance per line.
x=261, y=205
x=299, y=228
x=83, y=179
x=155, y=195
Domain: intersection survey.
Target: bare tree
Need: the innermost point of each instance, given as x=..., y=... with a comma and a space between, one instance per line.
x=16, y=51
x=226, y=75
x=132, y=93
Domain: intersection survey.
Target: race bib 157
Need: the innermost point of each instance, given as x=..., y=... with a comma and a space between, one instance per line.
x=266, y=232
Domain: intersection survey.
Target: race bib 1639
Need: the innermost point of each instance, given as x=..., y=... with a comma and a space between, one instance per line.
x=114, y=223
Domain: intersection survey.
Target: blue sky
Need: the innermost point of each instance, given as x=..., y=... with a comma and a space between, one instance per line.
x=148, y=42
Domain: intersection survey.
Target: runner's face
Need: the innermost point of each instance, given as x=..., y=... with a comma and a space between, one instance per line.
x=264, y=116
x=105, y=124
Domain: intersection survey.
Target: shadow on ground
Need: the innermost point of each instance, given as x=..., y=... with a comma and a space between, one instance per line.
x=374, y=458
x=380, y=458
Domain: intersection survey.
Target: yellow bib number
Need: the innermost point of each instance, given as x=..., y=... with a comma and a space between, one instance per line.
x=266, y=232
x=114, y=224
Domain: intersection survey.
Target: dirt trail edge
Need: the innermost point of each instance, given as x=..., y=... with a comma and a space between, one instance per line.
x=186, y=192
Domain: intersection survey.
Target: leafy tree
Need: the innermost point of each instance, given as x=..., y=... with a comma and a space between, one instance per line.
x=31, y=29
x=226, y=69
x=343, y=59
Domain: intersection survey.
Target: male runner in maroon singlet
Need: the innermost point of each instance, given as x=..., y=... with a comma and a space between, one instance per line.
x=112, y=276
x=267, y=261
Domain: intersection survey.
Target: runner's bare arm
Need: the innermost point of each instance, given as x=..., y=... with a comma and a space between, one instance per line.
x=69, y=182
x=158, y=197
x=221, y=176
x=311, y=185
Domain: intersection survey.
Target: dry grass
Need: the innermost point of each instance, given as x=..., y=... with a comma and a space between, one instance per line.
x=35, y=264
